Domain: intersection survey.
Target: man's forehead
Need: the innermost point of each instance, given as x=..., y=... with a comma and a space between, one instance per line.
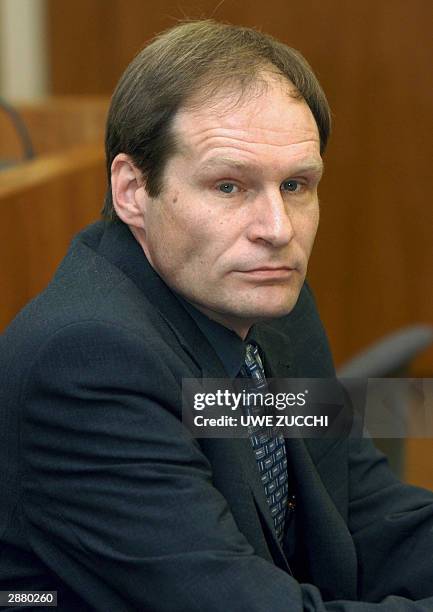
x=272, y=116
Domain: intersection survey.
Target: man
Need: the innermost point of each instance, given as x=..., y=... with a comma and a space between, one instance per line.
x=214, y=144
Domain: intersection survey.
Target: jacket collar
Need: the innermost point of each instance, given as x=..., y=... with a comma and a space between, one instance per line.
x=118, y=245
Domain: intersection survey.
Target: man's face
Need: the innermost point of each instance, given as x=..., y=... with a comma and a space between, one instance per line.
x=233, y=229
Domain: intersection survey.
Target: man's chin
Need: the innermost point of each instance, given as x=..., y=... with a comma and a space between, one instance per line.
x=262, y=312
x=272, y=307
x=274, y=313
x=241, y=309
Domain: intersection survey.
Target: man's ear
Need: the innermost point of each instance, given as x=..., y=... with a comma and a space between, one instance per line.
x=128, y=191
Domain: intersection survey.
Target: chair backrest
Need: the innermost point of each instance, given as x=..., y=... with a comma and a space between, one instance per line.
x=391, y=355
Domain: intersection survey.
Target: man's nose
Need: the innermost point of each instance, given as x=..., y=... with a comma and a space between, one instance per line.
x=272, y=221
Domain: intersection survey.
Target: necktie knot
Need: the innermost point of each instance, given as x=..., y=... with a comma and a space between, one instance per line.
x=253, y=366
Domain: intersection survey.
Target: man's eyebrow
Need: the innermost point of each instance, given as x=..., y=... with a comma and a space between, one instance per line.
x=225, y=161
x=308, y=165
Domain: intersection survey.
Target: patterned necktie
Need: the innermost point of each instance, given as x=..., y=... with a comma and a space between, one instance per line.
x=270, y=451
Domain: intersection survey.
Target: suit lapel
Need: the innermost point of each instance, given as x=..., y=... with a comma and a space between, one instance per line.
x=239, y=464
x=330, y=549
x=329, y=546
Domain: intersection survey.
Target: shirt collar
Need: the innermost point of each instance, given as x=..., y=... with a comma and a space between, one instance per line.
x=229, y=347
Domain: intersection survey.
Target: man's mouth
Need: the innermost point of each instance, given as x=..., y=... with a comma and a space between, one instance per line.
x=269, y=272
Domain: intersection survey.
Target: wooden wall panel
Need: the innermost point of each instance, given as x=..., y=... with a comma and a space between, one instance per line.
x=55, y=124
x=43, y=204
x=418, y=462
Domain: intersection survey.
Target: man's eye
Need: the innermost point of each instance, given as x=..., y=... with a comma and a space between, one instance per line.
x=227, y=188
x=291, y=185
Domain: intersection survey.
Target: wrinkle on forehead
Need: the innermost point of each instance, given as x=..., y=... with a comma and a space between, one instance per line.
x=273, y=119
x=255, y=137
x=208, y=142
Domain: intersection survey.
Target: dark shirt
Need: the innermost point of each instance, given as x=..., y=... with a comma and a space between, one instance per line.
x=229, y=347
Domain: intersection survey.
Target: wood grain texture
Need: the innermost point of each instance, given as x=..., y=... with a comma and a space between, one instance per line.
x=55, y=124
x=43, y=203
x=418, y=462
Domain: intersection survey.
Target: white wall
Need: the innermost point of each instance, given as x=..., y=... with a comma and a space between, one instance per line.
x=23, y=61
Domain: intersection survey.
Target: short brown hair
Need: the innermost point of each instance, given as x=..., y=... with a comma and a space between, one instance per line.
x=195, y=60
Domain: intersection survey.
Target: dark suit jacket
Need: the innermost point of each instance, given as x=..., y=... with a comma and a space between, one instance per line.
x=106, y=497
